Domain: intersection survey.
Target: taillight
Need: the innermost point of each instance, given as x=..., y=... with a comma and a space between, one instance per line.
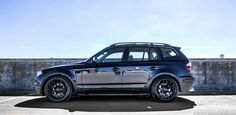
x=188, y=66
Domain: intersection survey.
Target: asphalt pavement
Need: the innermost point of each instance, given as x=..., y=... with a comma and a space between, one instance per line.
x=119, y=105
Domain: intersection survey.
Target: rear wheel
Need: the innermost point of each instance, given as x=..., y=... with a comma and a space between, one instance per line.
x=58, y=89
x=164, y=89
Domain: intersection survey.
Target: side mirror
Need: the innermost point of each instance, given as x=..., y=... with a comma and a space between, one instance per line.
x=94, y=60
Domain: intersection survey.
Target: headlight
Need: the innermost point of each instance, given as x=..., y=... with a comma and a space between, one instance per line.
x=39, y=73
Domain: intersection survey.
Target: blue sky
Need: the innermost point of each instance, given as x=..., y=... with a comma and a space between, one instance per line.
x=80, y=28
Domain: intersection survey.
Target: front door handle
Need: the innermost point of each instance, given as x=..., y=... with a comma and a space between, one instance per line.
x=153, y=68
x=116, y=70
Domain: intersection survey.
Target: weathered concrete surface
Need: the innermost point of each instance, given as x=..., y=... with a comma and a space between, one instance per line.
x=214, y=75
x=211, y=75
x=17, y=75
x=183, y=105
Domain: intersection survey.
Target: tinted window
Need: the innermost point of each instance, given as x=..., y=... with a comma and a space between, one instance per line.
x=153, y=54
x=142, y=54
x=111, y=55
x=138, y=54
x=168, y=52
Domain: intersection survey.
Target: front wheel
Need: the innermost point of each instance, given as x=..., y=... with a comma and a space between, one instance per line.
x=58, y=89
x=164, y=89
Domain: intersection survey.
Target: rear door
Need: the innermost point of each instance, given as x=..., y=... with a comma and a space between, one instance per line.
x=141, y=64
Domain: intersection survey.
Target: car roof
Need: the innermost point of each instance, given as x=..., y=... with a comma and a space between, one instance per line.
x=140, y=44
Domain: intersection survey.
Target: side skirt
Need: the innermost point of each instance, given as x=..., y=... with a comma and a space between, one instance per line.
x=116, y=91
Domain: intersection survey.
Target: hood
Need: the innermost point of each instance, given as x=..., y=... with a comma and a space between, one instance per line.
x=66, y=66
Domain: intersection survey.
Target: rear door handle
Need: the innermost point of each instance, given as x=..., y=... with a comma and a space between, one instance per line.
x=116, y=69
x=136, y=68
x=153, y=68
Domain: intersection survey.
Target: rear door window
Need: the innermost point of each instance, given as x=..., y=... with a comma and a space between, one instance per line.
x=138, y=54
x=153, y=54
x=142, y=54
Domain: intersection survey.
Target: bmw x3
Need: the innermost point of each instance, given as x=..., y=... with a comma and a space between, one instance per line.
x=128, y=68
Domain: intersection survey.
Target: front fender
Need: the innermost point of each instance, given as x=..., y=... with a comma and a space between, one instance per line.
x=66, y=75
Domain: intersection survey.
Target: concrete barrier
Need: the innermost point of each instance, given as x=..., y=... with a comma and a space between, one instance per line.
x=214, y=75
x=211, y=75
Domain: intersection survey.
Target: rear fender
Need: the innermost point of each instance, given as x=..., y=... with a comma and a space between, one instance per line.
x=151, y=80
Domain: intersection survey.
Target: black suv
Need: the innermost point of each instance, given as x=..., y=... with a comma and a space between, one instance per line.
x=139, y=68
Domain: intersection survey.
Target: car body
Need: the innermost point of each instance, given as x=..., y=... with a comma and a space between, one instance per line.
x=156, y=69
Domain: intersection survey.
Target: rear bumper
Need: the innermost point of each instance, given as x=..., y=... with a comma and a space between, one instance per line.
x=186, y=83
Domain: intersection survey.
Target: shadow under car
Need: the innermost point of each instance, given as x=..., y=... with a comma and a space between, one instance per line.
x=110, y=104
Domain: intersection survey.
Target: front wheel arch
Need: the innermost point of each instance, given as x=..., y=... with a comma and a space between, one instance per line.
x=53, y=75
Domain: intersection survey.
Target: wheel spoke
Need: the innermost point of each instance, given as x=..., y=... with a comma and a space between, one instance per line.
x=165, y=88
x=57, y=89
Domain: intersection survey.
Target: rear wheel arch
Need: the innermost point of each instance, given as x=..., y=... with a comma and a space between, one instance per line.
x=63, y=75
x=162, y=76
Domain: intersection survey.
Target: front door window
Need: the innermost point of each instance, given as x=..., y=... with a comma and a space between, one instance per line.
x=112, y=55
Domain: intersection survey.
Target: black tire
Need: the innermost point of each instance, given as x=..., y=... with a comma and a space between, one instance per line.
x=164, y=89
x=58, y=89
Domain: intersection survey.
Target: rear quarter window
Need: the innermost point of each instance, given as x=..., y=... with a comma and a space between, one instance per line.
x=169, y=53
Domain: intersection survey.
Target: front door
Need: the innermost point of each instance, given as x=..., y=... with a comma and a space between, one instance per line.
x=107, y=72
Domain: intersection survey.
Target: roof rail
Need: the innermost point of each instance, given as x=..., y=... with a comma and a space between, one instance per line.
x=139, y=43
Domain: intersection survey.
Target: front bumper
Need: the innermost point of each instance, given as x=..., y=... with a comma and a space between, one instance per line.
x=186, y=83
x=37, y=84
x=38, y=89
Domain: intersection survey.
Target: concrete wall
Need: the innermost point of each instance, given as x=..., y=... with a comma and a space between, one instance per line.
x=214, y=75
x=17, y=75
x=211, y=75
